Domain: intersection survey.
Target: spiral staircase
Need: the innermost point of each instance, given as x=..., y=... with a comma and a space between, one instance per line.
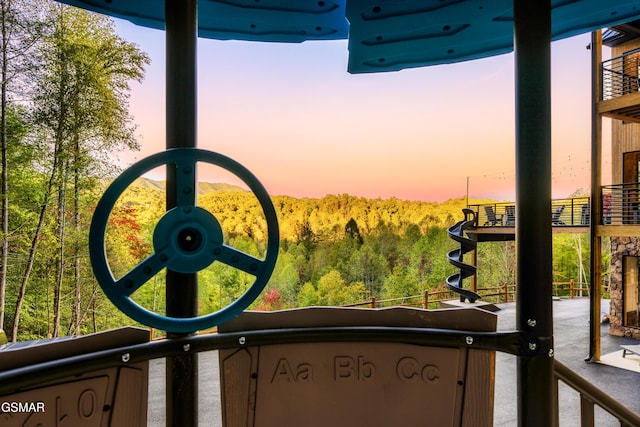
x=455, y=257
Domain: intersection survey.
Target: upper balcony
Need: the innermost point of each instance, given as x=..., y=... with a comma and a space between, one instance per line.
x=620, y=97
x=620, y=208
x=499, y=219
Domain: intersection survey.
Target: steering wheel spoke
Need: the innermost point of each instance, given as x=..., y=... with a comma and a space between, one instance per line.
x=238, y=259
x=186, y=187
x=187, y=239
x=140, y=274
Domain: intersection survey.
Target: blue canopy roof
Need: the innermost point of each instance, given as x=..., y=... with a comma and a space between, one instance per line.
x=383, y=35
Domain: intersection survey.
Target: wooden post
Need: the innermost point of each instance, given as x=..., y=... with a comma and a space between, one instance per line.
x=596, y=207
x=373, y=302
x=425, y=302
x=571, y=289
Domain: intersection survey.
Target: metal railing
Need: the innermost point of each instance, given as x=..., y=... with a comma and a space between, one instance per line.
x=590, y=396
x=572, y=212
x=564, y=212
x=620, y=75
x=621, y=203
x=620, y=206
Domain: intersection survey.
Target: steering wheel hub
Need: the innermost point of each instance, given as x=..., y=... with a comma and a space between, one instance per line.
x=188, y=237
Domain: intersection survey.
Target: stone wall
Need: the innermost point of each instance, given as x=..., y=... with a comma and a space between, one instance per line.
x=620, y=246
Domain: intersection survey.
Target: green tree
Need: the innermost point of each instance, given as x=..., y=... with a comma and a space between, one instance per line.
x=20, y=29
x=428, y=262
x=496, y=264
x=368, y=267
x=352, y=231
x=15, y=130
x=80, y=109
x=334, y=291
x=285, y=279
x=308, y=296
x=401, y=283
x=571, y=257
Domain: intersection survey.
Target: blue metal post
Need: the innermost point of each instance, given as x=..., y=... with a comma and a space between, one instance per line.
x=532, y=29
x=181, y=115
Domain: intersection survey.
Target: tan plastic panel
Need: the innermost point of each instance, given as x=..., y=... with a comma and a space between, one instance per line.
x=358, y=384
x=111, y=397
x=350, y=384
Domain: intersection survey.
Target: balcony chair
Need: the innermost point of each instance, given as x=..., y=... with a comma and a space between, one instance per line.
x=585, y=215
x=492, y=218
x=510, y=212
x=555, y=216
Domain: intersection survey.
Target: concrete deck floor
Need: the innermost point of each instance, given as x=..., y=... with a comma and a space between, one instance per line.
x=571, y=342
x=571, y=328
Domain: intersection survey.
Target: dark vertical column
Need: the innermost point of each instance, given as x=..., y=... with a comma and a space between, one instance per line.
x=182, y=289
x=596, y=205
x=532, y=27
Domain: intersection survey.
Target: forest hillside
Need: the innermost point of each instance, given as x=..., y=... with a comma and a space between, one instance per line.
x=335, y=250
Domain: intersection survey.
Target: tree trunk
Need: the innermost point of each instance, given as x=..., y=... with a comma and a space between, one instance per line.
x=62, y=205
x=4, y=209
x=77, y=282
x=32, y=251
x=93, y=311
x=89, y=306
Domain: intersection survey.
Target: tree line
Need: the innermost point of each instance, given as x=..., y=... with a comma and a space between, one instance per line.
x=334, y=250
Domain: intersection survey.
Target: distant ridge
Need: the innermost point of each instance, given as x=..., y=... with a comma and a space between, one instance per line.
x=203, y=187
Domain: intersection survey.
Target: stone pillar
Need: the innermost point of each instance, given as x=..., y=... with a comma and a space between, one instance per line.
x=620, y=247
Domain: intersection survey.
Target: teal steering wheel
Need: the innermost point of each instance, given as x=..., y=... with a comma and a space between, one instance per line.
x=186, y=239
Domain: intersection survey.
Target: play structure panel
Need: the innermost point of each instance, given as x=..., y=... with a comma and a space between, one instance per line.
x=386, y=382
x=114, y=396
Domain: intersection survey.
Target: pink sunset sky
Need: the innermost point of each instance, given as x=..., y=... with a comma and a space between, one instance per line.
x=306, y=128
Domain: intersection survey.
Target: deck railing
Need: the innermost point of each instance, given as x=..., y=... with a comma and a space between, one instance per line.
x=620, y=206
x=494, y=294
x=590, y=397
x=564, y=212
x=621, y=203
x=573, y=289
x=620, y=75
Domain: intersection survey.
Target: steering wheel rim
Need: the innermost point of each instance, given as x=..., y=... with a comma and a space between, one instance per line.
x=181, y=224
